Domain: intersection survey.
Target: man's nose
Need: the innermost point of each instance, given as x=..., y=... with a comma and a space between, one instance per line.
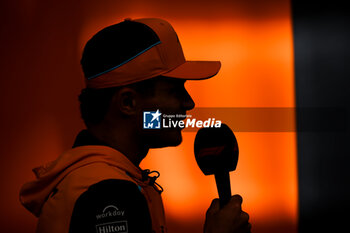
x=188, y=102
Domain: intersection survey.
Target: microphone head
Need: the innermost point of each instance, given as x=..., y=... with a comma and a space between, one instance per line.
x=216, y=150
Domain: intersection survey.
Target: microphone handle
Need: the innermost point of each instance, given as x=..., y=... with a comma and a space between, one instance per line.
x=224, y=187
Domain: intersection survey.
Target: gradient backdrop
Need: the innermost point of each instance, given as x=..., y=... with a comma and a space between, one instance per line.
x=41, y=43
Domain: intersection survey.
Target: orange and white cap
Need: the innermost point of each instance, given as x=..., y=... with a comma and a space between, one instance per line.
x=137, y=50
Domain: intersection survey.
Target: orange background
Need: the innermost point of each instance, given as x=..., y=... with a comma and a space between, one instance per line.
x=41, y=44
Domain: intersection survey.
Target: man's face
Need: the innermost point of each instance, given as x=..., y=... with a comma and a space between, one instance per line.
x=170, y=97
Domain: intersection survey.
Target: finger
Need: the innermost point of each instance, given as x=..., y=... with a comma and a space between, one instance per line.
x=235, y=205
x=243, y=220
x=244, y=217
x=214, y=206
x=237, y=199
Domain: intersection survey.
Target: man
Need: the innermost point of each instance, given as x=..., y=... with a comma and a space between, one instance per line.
x=97, y=186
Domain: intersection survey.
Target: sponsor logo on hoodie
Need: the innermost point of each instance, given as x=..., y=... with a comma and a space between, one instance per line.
x=113, y=227
x=110, y=211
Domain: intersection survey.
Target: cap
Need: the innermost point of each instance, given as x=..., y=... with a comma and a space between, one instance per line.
x=136, y=50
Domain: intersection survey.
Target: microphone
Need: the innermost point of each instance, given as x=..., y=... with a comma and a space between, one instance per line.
x=216, y=152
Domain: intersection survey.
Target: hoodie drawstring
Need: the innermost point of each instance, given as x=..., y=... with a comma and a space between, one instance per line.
x=152, y=179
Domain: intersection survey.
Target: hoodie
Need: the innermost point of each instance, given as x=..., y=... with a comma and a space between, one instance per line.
x=52, y=196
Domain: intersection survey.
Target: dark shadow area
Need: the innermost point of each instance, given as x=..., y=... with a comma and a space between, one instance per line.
x=320, y=46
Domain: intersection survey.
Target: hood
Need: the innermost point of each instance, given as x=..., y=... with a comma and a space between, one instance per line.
x=34, y=194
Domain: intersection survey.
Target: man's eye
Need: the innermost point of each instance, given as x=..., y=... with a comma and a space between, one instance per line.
x=177, y=89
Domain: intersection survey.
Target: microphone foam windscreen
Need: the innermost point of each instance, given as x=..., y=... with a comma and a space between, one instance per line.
x=216, y=150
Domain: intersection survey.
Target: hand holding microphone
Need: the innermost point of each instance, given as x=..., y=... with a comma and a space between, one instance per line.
x=216, y=152
x=228, y=219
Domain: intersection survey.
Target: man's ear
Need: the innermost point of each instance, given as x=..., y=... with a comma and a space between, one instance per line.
x=125, y=100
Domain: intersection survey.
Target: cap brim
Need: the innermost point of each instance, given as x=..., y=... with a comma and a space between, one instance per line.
x=195, y=70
